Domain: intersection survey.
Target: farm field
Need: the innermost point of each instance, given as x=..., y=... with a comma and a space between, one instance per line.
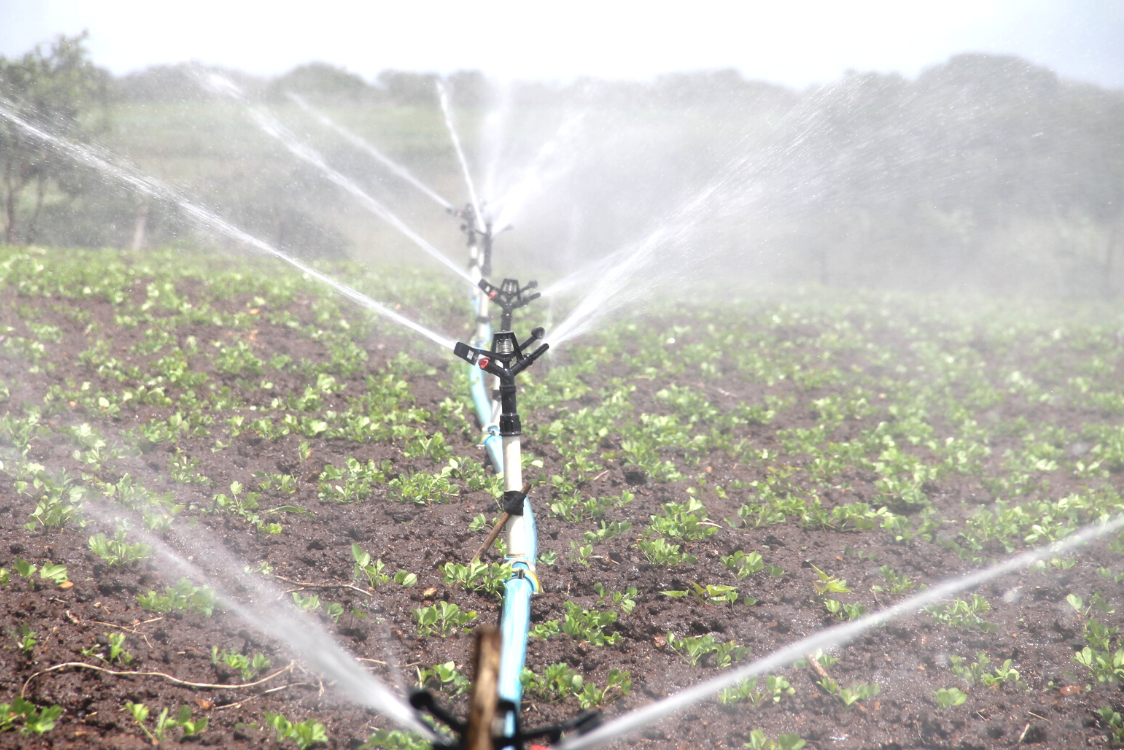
x=710, y=484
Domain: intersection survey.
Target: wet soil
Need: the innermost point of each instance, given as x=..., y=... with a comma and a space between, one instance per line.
x=908, y=659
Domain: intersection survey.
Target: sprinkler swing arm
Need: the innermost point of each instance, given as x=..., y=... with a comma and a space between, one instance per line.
x=509, y=297
x=424, y=702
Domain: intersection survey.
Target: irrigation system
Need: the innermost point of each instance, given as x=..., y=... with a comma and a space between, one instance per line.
x=495, y=358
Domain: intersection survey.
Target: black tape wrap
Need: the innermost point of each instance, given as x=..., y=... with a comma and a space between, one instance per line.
x=513, y=502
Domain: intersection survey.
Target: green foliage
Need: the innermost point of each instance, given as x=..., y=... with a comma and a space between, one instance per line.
x=660, y=552
x=686, y=521
x=117, y=551
x=353, y=483
x=772, y=690
x=624, y=600
x=183, y=597
x=442, y=619
x=422, y=488
x=1113, y=722
x=949, y=697
x=30, y=718
x=365, y=570
x=165, y=723
x=395, y=739
x=247, y=667
x=963, y=614
x=744, y=565
x=979, y=672
x=305, y=734
x=558, y=681
x=694, y=650
x=758, y=740
x=477, y=576
x=445, y=676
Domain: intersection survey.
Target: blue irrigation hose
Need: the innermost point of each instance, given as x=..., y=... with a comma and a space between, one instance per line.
x=516, y=622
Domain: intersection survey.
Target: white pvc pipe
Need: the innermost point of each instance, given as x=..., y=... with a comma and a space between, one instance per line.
x=513, y=481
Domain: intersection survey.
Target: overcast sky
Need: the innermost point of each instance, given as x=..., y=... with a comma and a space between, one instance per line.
x=790, y=43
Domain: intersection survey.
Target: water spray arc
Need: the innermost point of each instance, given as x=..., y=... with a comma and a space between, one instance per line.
x=211, y=221
x=270, y=126
x=369, y=149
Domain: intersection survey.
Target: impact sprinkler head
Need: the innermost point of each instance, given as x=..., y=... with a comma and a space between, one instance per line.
x=509, y=297
x=505, y=359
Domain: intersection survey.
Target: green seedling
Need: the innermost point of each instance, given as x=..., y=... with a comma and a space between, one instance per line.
x=36, y=720
x=117, y=552
x=949, y=697
x=758, y=740
x=660, y=552
x=624, y=600
x=772, y=691
x=558, y=681
x=442, y=619
x=305, y=734
x=744, y=565
x=446, y=676
x=365, y=570
x=477, y=576
x=396, y=739
x=183, y=597
x=961, y=613
x=25, y=639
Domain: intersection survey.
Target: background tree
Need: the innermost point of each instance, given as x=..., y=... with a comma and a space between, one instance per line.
x=61, y=88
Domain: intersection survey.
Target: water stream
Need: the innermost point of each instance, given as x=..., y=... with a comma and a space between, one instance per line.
x=211, y=221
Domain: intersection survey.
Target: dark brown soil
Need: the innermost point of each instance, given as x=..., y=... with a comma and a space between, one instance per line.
x=908, y=659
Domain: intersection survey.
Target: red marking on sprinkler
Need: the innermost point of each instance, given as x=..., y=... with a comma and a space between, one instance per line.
x=491, y=295
x=483, y=362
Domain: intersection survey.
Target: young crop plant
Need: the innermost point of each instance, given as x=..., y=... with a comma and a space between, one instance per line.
x=660, y=552
x=694, y=649
x=979, y=672
x=305, y=734
x=365, y=570
x=396, y=739
x=117, y=552
x=558, y=681
x=422, y=488
x=744, y=565
x=607, y=532
x=32, y=719
x=757, y=693
x=445, y=677
x=442, y=619
x=164, y=723
x=246, y=666
x=183, y=597
x=1098, y=657
x=859, y=691
x=963, y=614
x=353, y=483
x=758, y=740
x=1111, y=720
x=477, y=576
x=897, y=583
x=58, y=502
x=115, y=649
x=624, y=600
x=949, y=697
x=685, y=521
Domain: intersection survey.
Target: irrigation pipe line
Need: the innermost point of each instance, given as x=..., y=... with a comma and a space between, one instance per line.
x=154, y=188
x=838, y=635
x=168, y=677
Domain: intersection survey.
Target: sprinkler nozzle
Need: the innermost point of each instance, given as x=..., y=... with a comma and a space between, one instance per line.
x=510, y=297
x=505, y=360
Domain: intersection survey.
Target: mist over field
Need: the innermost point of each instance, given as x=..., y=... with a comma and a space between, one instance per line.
x=983, y=173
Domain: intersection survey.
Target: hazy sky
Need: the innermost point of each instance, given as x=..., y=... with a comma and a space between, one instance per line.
x=791, y=43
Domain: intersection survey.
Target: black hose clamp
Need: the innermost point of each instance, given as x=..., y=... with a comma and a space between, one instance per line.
x=513, y=502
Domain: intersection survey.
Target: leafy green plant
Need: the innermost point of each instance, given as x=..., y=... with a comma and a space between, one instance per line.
x=477, y=576
x=35, y=720
x=247, y=667
x=1113, y=722
x=365, y=570
x=979, y=672
x=117, y=552
x=758, y=740
x=445, y=676
x=396, y=739
x=694, y=649
x=421, y=488
x=660, y=552
x=772, y=690
x=183, y=597
x=624, y=600
x=442, y=619
x=165, y=723
x=744, y=565
x=305, y=733
x=949, y=697
x=558, y=681
x=961, y=613
x=685, y=521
